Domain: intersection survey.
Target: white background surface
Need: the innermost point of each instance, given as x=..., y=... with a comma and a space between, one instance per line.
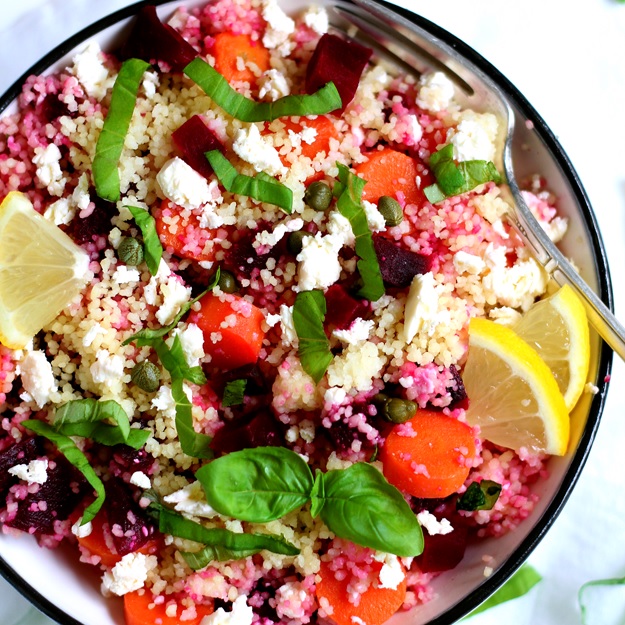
x=569, y=61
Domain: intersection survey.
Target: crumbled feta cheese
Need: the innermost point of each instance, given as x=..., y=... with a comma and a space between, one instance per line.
x=273, y=85
x=192, y=341
x=80, y=196
x=289, y=335
x=37, y=377
x=60, y=213
x=208, y=217
x=392, y=573
x=269, y=238
x=556, y=228
x=279, y=25
x=253, y=149
x=175, y=294
x=91, y=333
x=436, y=92
x=107, y=368
x=150, y=83
x=468, y=263
x=126, y=275
x=421, y=306
x=164, y=401
x=375, y=219
x=140, y=479
x=35, y=472
x=242, y=614
x=47, y=160
x=82, y=530
x=91, y=71
x=184, y=186
x=128, y=575
x=341, y=229
x=319, y=265
x=504, y=315
x=191, y=500
x=433, y=525
x=334, y=396
x=316, y=18
x=358, y=332
x=474, y=137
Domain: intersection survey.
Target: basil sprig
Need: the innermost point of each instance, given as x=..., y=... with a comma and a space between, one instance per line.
x=116, y=124
x=325, y=100
x=261, y=187
x=349, y=204
x=264, y=484
x=309, y=312
x=152, y=247
x=452, y=179
x=479, y=496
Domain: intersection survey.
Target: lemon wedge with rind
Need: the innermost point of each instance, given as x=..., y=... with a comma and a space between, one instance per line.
x=41, y=271
x=513, y=396
x=557, y=328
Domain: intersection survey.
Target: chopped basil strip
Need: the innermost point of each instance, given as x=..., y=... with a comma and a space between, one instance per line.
x=88, y=418
x=193, y=443
x=517, y=586
x=325, y=100
x=152, y=248
x=479, y=496
x=234, y=393
x=602, y=602
x=309, y=311
x=359, y=504
x=261, y=187
x=174, y=361
x=113, y=134
x=452, y=179
x=68, y=448
x=350, y=206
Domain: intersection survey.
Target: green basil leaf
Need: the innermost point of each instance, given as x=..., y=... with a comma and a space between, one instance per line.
x=309, y=312
x=447, y=174
x=257, y=485
x=350, y=206
x=68, y=448
x=152, y=248
x=194, y=444
x=517, y=586
x=111, y=140
x=325, y=100
x=261, y=187
x=234, y=393
x=479, y=496
x=358, y=504
x=84, y=417
x=602, y=602
x=173, y=359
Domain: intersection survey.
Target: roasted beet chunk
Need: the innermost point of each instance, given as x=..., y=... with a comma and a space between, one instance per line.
x=19, y=453
x=397, y=265
x=153, y=41
x=342, y=308
x=128, y=460
x=262, y=430
x=340, y=61
x=96, y=224
x=194, y=139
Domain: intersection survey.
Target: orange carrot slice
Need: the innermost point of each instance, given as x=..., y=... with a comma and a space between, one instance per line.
x=140, y=609
x=232, y=54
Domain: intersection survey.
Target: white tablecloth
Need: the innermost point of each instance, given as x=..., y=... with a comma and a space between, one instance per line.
x=569, y=61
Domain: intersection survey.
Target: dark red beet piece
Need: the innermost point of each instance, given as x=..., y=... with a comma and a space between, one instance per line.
x=459, y=398
x=194, y=138
x=19, y=453
x=443, y=552
x=153, y=41
x=97, y=223
x=263, y=430
x=128, y=460
x=340, y=61
x=398, y=266
x=342, y=308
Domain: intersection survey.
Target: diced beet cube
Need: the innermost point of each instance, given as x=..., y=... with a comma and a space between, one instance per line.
x=194, y=139
x=19, y=453
x=263, y=430
x=342, y=308
x=128, y=460
x=443, y=552
x=152, y=41
x=96, y=224
x=340, y=61
x=398, y=266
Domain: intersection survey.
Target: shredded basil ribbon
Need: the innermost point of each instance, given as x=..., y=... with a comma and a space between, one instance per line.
x=323, y=101
x=234, y=392
x=152, y=247
x=309, y=312
x=602, y=604
x=261, y=187
x=452, y=179
x=265, y=483
x=68, y=448
x=111, y=140
x=479, y=496
x=350, y=206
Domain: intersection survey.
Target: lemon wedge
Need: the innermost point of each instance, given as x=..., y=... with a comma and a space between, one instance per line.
x=41, y=271
x=514, y=398
x=557, y=328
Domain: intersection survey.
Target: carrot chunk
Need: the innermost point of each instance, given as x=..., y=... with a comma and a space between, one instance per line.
x=431, y=460
x=233, y=53
x=140, y=609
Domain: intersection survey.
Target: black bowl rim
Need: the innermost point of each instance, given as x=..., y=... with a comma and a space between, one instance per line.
x=520, y=555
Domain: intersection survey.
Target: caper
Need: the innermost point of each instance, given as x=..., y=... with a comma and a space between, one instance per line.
x=318, y=195
x=295, y=241
x=398, y=410
x=146, y=375
x=227, y=282
x=130, y=251
x=391, y=210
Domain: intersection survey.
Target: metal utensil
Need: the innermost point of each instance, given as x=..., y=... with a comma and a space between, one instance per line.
x=394, y=36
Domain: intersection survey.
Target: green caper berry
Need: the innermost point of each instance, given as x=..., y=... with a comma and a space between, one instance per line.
x=398, y=410
x=146, y=375
x=295, y=241
x=130, y=251
x=318, y=196
x=227, y=282
x=391, y=210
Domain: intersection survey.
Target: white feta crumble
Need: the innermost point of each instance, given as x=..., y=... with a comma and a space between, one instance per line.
x=191, y=500
x=91, y=71
x=107, y=367
x=150, y=83
x=253, y=149
x=504, y=315
x=316, y=18
x=182, y=185
x=436, y=92
x=421, y=306
x=242, y=614
x=175, y=294
x=341, y=229
x=358, y=332
x=289, y=334
x=392, y=573
x=433, y=525
x=273, y=85
x=474, y=137
x=49, y=173
x=319, y=264
x=37, y=377
x=192, y=341
x=375, y=219
x=60, y=213
x=82, y=530
x=80, y=194
x=140, y=479
x=556, y=228
x=164, y=401
x=279, y=25
x=334, y=396
x=91, y=334
x=468, y=263
x=128, y=575
x=126, y=275
x=270, y=238
x=35, y=472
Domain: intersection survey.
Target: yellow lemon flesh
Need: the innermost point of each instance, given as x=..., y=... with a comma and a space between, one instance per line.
x=41, y=271
x=557, y=328
x=513, y=396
